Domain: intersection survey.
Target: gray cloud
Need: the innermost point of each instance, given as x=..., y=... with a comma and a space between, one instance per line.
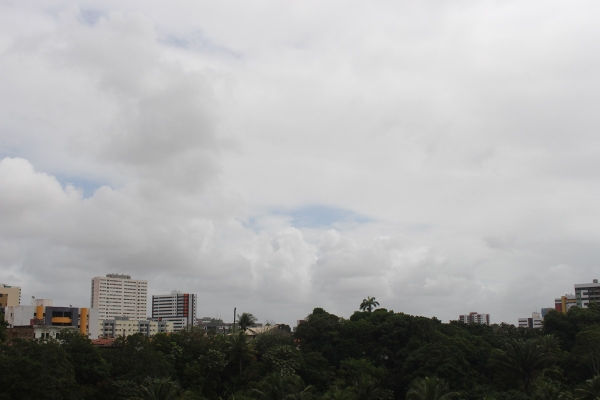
x=463, y=135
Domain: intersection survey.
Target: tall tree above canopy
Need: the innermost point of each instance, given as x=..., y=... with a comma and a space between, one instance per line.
x=246, y=320
x=369, y=304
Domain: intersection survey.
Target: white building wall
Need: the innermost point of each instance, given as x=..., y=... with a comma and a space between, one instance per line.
x=19, y=315
x=116, y=296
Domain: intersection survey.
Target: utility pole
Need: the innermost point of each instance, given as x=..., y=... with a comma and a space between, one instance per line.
x=234, y=309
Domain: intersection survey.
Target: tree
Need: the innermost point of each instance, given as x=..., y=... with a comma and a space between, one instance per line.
x=278, y=387
x=590, y=390
x=587, y=347
x=240, y=350
x=35, y=369
x=158, y=389
x=369, y=304
x=88, y=364
x=524, y=358
x=3, y=325
x=430, y=389
x=548, y=390
x=246, y=320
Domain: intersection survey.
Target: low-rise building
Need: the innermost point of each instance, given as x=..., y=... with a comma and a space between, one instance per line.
x=475, y=318
x=125, y=326
x=276, y=329
x=564, y=303
x=47, y=320
x=534, y=322
x=216, y=324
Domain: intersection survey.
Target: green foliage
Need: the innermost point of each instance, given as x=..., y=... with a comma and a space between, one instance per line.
x=240, y=350
x=158, y=389
x=136, y=359
x=284, y=360
x=525, y=358
x=90, y=368
x=35, y=370
x=587, y=347
x=590, y=390
x=376, y=355
x=430, y=389
x=3, y=325
x=279, y=387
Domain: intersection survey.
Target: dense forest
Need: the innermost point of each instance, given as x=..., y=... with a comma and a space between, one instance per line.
x=376, y=354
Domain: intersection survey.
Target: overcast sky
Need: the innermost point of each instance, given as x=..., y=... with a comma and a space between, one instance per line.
x=277, y=156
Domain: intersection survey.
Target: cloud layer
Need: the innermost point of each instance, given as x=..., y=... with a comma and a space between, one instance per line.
x=285, y=156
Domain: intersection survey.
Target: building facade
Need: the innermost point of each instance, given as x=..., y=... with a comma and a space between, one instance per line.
x=564, y=303
x=177, y=307
x=124, y=326
x=9, y=295
x=46, y=320
x=534, y=322
x=118, y=295
x=475, y=318
x=586, y=293
x=545, y=311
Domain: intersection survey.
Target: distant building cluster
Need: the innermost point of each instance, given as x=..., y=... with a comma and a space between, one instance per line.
x=118, y=308
x=585, y=293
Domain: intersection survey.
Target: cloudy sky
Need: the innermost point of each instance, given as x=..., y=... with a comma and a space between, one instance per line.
x=279, y=156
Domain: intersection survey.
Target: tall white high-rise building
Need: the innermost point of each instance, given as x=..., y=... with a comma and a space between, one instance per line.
x=118, y=295
x=177, y=307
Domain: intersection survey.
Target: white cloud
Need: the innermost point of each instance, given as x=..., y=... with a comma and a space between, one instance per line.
x=463, y=136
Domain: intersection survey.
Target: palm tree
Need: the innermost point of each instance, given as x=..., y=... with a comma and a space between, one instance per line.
x=278, y=387
x=335, y=393
x=240, y=350
x=525, y=358
x=590, y=389
x=368, y=304
x=246, y=320
x=548, y=390
x=159, y=389
x=430, y=389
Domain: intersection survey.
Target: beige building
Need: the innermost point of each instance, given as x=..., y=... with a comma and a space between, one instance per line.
x=9, y=295
x=123, y=326
x=118, y=295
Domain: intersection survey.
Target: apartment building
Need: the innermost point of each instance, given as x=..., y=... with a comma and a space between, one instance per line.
x=475, y=318
x=118, y=295
x=44, y=320
x=534, y=322
x=564, y=303
x=124, y=326
x=177, y=307
x=586, y=293
x=9, y=295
